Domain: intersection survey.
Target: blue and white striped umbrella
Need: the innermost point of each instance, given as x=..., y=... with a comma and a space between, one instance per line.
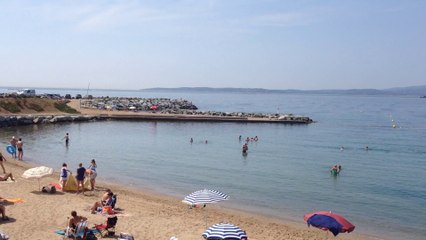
x=205, y=196
x=224, y=231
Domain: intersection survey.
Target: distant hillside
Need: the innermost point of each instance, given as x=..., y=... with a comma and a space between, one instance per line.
x=414, y=90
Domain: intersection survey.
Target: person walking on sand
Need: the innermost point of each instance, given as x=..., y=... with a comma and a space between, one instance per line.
x=1, y=162
x=67, y=139
x=13, y=142
x=91, y=173
x=81, y=171
x=20, y=145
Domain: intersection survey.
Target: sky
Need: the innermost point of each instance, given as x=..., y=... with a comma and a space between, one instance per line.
x=272, y=44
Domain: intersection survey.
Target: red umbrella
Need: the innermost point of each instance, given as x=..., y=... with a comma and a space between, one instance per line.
x=329, y=221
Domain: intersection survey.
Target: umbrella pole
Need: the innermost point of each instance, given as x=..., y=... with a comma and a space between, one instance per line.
x=205, y=216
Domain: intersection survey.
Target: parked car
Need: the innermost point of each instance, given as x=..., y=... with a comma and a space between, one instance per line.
x=67, y=96
x=78, y=96
x=26, y=93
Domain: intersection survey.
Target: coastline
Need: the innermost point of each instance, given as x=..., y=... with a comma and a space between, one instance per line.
x=146, y=214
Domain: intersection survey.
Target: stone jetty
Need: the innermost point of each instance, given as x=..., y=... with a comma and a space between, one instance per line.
x=20, y=120
x=178, y=110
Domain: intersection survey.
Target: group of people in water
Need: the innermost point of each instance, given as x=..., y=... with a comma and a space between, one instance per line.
x=245, y=145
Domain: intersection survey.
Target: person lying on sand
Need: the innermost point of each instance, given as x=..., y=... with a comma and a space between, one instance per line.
x=6, y=176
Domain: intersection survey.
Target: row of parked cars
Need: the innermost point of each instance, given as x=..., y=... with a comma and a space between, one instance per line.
x=32, y=93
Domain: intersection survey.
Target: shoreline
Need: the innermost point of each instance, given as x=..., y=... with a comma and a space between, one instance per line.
x=147, y=214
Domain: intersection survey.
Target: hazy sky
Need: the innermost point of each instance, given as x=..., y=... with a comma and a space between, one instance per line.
x=217, y=43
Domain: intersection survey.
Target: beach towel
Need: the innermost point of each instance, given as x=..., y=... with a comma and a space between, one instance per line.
x=16, y=200
x=56, y=185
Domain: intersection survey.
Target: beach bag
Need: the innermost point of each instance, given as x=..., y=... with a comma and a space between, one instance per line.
x=3, y=236
x=90, y=236
x=126, y=236
x=48, y=189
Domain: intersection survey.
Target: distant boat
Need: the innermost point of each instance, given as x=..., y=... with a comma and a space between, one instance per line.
x=423, y=96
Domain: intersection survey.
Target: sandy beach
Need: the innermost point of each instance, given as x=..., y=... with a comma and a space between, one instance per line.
x=145, y=215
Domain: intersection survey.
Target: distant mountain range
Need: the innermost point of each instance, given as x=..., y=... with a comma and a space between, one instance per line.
x=412, y=91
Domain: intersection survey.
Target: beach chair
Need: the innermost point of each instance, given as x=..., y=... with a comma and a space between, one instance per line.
x=107, y=228
x=81, y=232
x=113, y=201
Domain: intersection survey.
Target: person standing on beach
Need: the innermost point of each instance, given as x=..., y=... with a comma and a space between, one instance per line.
x=1, y=162
x=13, y=142
x=191, y=140
x=20, y=145
x=81, y=171
x=64, y=176
x=67, y=139
x=91, y=173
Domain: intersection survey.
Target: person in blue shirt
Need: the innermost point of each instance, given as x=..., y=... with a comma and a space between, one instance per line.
x=81, y=172
x=64, y=176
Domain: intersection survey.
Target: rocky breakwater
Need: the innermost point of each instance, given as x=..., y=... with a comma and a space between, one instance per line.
x=179, y=110
x=7, y=121
x=137, y=104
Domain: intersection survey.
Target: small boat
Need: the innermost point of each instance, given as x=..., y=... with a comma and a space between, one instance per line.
x=423, y=96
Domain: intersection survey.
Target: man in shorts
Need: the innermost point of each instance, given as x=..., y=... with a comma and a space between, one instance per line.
x=81, y=172
x=20, y=145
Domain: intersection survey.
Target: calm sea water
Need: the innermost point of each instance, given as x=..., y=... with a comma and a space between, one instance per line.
x=285, y=174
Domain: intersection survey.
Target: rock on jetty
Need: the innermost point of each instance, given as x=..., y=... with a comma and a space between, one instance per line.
x=7, y=121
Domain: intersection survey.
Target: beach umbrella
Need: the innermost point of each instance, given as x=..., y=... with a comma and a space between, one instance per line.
x=153, y=107
x=329, y=221
x=224, y=231
x=38, y=172
x=204, y=197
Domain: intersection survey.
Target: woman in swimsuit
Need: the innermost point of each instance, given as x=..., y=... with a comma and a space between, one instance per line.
x=1, y=162
x=91, y=172
x=6, y=176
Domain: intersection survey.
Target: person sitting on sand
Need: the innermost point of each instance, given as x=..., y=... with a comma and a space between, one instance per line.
x=75, y=220
x=3, y=209
x=97, y=206
x=1, y=162
x=3, y=213
x=6, y=176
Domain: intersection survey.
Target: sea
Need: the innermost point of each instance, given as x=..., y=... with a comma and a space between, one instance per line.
x=285, y=174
